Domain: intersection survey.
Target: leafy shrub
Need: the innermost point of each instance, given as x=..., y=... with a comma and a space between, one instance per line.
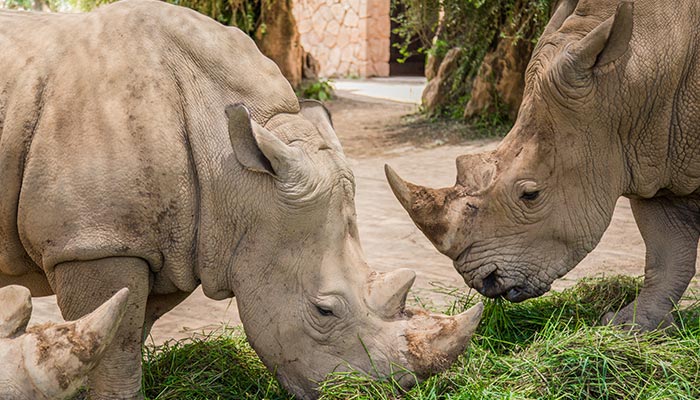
x=476, y=26
x=319, y=90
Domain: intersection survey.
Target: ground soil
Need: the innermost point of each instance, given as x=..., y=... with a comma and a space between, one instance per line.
x=373, y=133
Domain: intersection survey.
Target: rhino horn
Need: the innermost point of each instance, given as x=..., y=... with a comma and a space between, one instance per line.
x=388, y=291
x=58, y=357
x=16, y=310
x=435, y=344
x=425, y=206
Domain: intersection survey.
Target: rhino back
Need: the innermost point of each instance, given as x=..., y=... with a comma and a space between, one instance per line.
x=108, y=120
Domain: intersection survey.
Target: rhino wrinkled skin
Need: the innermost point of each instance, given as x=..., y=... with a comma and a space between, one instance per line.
x=611, y=108
x=146, y=146
x=51, y=361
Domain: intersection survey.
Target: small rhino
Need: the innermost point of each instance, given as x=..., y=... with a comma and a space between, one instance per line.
x=51, y=361
x=611, y=108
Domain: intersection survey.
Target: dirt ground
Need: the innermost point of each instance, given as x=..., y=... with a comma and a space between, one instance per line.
x=375, y=132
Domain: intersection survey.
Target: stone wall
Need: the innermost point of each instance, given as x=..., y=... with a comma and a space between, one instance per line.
x=347, y=37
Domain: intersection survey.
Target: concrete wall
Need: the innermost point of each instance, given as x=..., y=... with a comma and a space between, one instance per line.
x=347, y=37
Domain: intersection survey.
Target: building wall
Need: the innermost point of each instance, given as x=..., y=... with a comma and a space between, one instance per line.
x=347, y=37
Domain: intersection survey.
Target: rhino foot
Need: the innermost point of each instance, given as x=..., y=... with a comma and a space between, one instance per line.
x=636, y=318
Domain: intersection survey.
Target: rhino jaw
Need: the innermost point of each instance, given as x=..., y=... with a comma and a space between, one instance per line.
x=435, y=341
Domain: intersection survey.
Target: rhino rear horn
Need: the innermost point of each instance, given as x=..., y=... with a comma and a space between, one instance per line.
x=58, y=357
x=15, y=310
x=388, y=291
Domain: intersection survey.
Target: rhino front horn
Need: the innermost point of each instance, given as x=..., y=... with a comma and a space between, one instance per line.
x=56, y=358
x=435, y=342
x=425, y=206
x=404, y=191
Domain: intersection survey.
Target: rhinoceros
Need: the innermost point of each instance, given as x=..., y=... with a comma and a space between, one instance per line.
x=611, y=108
x=50, y=361
x=146, y=146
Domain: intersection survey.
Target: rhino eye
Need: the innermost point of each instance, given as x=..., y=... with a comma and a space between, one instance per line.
x=324, y=311
x=530, y=196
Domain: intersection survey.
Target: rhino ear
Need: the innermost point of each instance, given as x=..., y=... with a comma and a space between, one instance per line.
x=607, y=42
x=256, y=148
x=564, y=8
x=240, y=131
x=316, y=113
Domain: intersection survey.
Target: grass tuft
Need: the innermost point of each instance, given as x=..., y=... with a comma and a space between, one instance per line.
x=545, y=348
x=219, y=366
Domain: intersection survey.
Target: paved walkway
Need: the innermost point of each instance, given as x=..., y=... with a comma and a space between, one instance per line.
x=404, y=89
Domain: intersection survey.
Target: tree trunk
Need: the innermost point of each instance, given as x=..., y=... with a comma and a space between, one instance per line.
x=278, y=38
x=499, y=85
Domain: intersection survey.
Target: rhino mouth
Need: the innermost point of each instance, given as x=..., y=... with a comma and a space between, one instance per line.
x=490, y=280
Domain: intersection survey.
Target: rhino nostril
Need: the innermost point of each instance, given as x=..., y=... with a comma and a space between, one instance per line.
x=489, y=285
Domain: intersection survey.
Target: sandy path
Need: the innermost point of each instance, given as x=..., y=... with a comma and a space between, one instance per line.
x=370, y=135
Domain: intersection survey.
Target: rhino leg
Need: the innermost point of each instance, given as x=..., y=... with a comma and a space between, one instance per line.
x=670, y=230
x=80, y=288
x=157, y=305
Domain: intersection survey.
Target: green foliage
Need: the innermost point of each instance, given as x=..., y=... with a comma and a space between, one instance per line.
x=319, y=90
x=476, y=26
x=244, y=14
x=545, y=348
x=36, y=5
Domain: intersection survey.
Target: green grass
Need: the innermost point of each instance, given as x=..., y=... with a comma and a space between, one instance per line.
x=545, y=348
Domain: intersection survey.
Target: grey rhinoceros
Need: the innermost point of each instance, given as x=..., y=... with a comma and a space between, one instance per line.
x=146, y=146
x=611, y=108
x=50, y=361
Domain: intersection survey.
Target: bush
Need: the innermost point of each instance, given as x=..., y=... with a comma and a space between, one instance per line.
x=319, y=90
x=476, y=26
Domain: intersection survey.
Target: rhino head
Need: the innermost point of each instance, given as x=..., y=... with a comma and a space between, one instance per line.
x=309, y=303
x=51, y=361
x=525, y=214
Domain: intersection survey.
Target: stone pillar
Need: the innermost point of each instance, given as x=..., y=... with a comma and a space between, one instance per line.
x=347, y=37
x=378, y=37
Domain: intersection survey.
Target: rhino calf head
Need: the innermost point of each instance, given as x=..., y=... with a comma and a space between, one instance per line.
x=309, y=303
x=51, y=361
x=525, y=214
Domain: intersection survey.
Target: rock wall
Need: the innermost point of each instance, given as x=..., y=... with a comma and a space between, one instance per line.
x=347, y=37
